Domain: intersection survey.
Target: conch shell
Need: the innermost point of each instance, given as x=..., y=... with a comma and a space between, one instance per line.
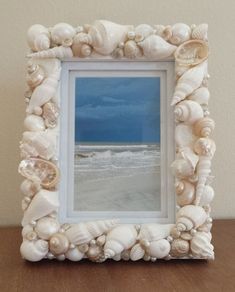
x=158, y=249
x=188, y=111
x=56, y=52
x=185, y=193
x=177, y=34
x=189, y=82
x=50, y=113
x=35, y=75
x=200, y=32
x=155, y=47
x=204, y=127
x=34, y=251
x=179, y=247
x=200, y=95
x=58, y=244
x=132, y=50
x=201, y=246
x=46, y=227
x=62, y=34
x=38, y=38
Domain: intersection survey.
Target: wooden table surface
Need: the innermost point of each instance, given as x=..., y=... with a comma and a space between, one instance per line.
x=178, y=275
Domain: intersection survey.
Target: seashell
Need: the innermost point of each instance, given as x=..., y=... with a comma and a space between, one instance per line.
x=79, y=48
x=34, y=123
x=207, y=196
x=154, y=231
x=29, y=188
x=159, y=29
x=62, y=34
x=83, y=248
x=182, y=168
x=204, y=127
x=58, y=244
x=101, y=240
x=50, y=113
x=74, y=254
x=125, y=255
x=192, y=53
x=201, y=246
x=34, y=251
x=117, y=257
x=200, y=32
x=179, y=248
x=42, y=204
x=46, y=227
x=118, y=53
x=84, y=232
x=188, y=111
x=105, y=36
x=132, y=50
x=95, y=253
x=44, y=92
x=205, y=147
x=200, y=95
x=184, y=136
x=38, y=38
x=155, y=47
x=137, y=252
x=142, y=31
x=177, y=34
x=159, y=249
x=189, y=217
x=35, y=75
x=185, y=193
x=26, y=230
x=40, y=171
x=180, y=70
x=206, y=227
x=189, y=82
x=118, y=239
x=31, y=236
x=56, y=52
x=186, y=235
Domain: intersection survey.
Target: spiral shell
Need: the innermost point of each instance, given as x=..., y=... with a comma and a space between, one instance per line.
x=137, y=252
x=56, y=52
x=34, y=251
x=177, y=34
x=132, y=50
x=74, y=254
x=204, y=127
x=62, y=34
x=185, y=193
x=188, y=111
x=29, y=188
x=34, y=123
x=46, y=227
x=142, y=31
x=38, y=38
x=200, y=95
x=50, y=113
x=158, y=249
x=201, y=246
x=179, y=247
x=58, y=244
x=35, y=75
x=79, y=48
x=200, y=32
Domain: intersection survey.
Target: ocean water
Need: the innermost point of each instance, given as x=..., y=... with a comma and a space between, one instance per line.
x=117, y=178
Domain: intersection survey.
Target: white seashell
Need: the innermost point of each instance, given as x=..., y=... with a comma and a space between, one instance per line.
x=74, y=254
x=154, y=231
x=142, y=31
x=137, y=252
x=204, y=127
x=189, y=217
x=84, y=232
x=62, y=34
x=35, y=75
x=155, y=47
x=189, y=82
x=201, y=246
x=159, y=249
x=105, y=36
x=185, y=193
x=58, y=244
x=200, y=32
x=118, y=53
x=188, y=111
x=79, y=48
x=50, y=113
x=34, y=123
x=44, y=92
x=38, y=38
x=40, y=171
x=182, y=168
x=192, y=53
x=118, y=239
x=207, y=196
x=200, y=95
x=177, y=34
x=42, y=204
x=205, y=147
x=179, y=248
x=29, y=188
x=132, y=50
x=186, y=235
x=56, y=52
x=159, y=29
x=95, y=253
x=26, y=230
x=101, y=240
x=46, y=227
x=184, y=136
x=34, y=250
x=180, y=70
x=206, y=227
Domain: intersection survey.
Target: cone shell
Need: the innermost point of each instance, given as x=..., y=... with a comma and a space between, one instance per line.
x=179, y=248
x=200, y=95
x=189, y=82
x=204, y=127
x=74, y=254
x=42, y=204
x=132, y=50
x=62, y=34
x=200, y=32
x=137, y=252
x=185, y=193
x=142, y=31
x=38, y=38
x=50, y=113
x=46, y=227
x=35, y=75
x=58, y=244
x=56, y=52
x=155, y=47
x=188, y=111
x=34, y=251
x=177, y=34
x=34, y=123
x=201, y=246
x=154, y=231
x=84, y=232
x=159, y=249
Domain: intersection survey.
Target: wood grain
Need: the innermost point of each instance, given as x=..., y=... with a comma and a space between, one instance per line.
x=178, y=275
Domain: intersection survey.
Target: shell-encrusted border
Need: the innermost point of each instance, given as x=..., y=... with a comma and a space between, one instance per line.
x=43, y=235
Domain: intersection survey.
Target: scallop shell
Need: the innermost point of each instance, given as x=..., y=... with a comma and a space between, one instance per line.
x=201, y=246
x=84, y=232
x=155, y=47
x=29, y=188
x=42, y=204
x=177, y=34
x=192, y=53
x=62, y=34
x=35, y=75
x=179, y=248
x=34, y=251
x=132, y=50
x=142, y=31
x=159, y=249
x=58, y=244
x=189, y=82
x=185, y=193
x=56, y=52
x=118, y=239
x=46, y=227
x=44, y=92
x=188, y=111
x=74, y=254
x=79, y=48
x=204, y=127
x=34, y=123
x=189, y=217
x=200, y=95
x=154, y=231
x=38, y=38
x=207, y=196
x=184, y=136
x=50, y=113
x=200, y=32
x=137, y=252
x=40, y=171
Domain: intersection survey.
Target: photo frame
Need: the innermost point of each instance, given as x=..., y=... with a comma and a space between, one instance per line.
x=107, y=42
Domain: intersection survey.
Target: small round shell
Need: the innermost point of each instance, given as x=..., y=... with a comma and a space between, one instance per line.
x=34, y=250
x=177, y=34
x=58, y=244
x=137, y=252
x=35, y=75
x=204, y=127
x=62, y=34
x=159, y=249
x=132, y=50
x=179, y=248
x=74, y=254
x=34, y=123
x=46, y=227
x=185, y=193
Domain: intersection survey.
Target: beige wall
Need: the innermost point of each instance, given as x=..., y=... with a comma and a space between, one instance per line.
x=17, y=15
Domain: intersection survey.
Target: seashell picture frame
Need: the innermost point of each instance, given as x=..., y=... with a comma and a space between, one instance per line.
x=189, y=237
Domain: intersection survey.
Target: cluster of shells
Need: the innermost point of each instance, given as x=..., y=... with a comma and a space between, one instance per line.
x=43, y=236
